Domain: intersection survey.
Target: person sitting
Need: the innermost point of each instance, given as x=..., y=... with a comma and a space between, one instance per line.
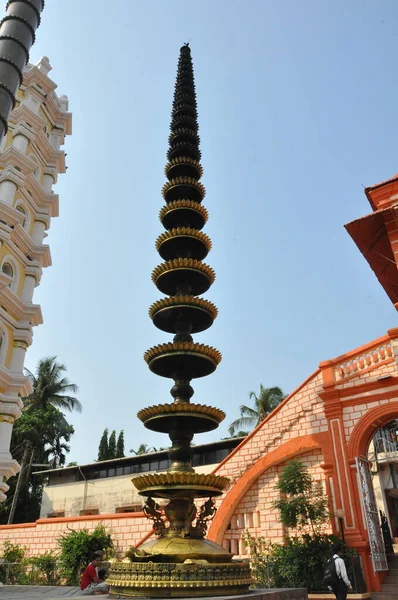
x=90, y=583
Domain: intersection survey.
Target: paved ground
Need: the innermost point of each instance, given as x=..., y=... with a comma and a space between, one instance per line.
x=37, y=592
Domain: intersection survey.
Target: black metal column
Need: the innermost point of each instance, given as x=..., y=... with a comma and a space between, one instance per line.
x=17, y=35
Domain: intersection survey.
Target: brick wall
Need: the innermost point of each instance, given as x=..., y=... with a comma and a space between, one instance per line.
x=255, y=513
x=40, y=537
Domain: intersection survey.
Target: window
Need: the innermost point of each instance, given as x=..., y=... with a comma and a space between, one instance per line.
x=89, y=511
x=10, y=267
x=22, y=210
x=129, y=508
x=7, y=269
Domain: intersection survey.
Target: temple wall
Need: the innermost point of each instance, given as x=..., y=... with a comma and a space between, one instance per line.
x=126, y=530
x=255, y=512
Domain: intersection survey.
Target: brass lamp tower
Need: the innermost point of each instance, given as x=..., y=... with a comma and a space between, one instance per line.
x=180, y=562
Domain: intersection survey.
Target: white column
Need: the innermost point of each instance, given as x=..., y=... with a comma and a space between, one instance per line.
x=8, y=466
x=18, y=357
x=20, y=142
x=47, y=183
x=5, y=433
x=7, y=191
x=38, y=232
x=28, y=289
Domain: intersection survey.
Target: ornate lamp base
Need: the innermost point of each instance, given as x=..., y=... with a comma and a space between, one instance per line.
x=178, y=580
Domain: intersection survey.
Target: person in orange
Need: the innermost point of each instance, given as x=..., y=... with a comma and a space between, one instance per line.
x=90, y=583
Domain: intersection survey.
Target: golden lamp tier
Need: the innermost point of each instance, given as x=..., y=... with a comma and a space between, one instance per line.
x=180, y=274
x=191, y=167
x=178, y=561
x=194, y=360
x=162, y=417
x=200, y=313
x=164, y=485
x=180, y=212
x=188, y=239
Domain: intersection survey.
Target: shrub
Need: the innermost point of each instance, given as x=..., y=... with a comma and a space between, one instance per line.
x=12, y=553
x=302, y=503
x=45, y=570
x=77, y=548
x=299, y=563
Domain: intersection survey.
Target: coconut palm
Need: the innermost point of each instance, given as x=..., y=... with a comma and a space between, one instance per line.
x=264, y=403
x=50, y=387
x=143, y=449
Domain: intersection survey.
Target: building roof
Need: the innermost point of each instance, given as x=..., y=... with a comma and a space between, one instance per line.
x=381, y=183
x=227, y=443
x=371, y=236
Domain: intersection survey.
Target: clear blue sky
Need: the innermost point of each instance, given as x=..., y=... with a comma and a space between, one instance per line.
x=297, y=111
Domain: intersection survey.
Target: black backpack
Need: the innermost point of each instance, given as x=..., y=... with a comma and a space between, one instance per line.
x=330, y=577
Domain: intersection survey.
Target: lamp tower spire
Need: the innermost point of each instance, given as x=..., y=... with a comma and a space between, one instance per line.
x=179, y=558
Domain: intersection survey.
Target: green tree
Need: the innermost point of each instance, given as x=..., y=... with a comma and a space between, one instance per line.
x=302, y=502
x=237, y=434
x=112, y=445
x=120, y=445
x=77, y=547
x=264, y=403
x=143, y=449
x=50, y=386
x=42, y=428
x=103, y=446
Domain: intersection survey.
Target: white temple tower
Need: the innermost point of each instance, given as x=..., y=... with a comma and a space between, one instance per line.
x=30, y=161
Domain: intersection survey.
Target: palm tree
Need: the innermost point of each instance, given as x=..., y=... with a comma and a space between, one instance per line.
x=264, y=403
x=50, y=387
x=143, y=449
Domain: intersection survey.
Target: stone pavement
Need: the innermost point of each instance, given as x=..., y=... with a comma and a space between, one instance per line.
x=38, y=592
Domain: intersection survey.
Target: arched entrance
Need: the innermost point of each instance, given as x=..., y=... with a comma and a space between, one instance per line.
x=373, y=447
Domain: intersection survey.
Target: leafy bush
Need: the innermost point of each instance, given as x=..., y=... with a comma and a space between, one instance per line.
x=299, y=563
x=45, y=570
x=302, y=503
x=77, y=548
x=12, y=553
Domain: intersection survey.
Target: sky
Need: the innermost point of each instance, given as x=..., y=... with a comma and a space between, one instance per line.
x=297, y=111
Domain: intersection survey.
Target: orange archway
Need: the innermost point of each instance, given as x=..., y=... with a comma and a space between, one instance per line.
x=294, y=447
x=367, y=427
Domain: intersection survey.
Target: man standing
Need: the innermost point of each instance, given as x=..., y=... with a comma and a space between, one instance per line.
x=341, y=583
x=90, y=583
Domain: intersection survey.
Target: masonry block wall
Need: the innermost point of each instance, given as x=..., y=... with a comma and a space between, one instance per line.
x=255, y=512
x=126, y=530
x=327, y=422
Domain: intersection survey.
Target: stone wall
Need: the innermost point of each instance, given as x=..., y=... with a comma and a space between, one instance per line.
x=40, y=537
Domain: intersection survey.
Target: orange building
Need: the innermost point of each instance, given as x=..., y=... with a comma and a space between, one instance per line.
x=330, y=422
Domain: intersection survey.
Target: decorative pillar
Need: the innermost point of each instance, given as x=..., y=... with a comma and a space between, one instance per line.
x=28, y=289
x=39, y=229
x=8, y=466
x=7, y=191
x=342, y=478
x=20, y=142
x=18, y=356
x=47, y=183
